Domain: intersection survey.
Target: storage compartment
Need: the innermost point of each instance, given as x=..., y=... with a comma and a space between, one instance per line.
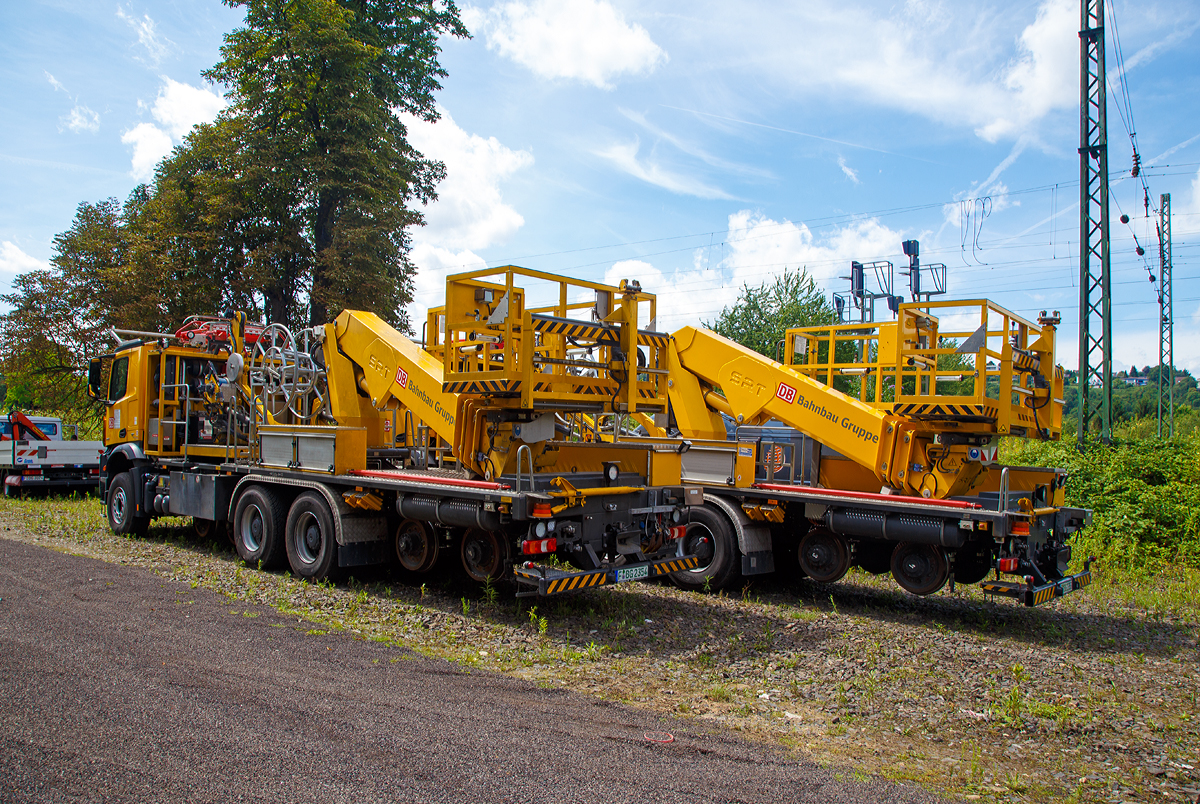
x=201, y=496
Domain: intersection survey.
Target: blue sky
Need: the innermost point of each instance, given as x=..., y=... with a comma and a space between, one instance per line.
x=689, y=145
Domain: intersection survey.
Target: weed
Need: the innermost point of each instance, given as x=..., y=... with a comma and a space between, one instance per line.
x=542, y=625
x=719, y=693
x=1012, y=705
x=466, y=607
x=490, y=593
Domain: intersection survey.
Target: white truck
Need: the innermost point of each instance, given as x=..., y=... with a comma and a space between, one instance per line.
x=40, y=453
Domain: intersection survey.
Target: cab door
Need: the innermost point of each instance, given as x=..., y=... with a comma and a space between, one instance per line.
x=125, y=419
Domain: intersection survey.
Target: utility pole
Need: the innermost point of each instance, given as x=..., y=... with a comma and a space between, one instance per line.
x=1095, y=299
x=1166, y=320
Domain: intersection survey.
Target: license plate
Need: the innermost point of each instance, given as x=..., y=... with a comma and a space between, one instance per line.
x=632, y=573
x=1066, y=586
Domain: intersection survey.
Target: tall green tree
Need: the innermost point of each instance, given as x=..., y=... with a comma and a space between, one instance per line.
x=317, y=84
x=761, y=315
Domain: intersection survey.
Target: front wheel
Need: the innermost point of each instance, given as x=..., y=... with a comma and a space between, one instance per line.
x=122, y=517
x=709, y=537
x=311, y=544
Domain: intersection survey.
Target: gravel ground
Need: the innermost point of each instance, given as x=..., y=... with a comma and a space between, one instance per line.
x=123, y=686
x=1091, y=699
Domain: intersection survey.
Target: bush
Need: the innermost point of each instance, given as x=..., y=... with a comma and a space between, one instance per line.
x=1144, y=493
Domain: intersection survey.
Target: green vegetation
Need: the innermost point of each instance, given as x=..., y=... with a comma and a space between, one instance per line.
x=761, y=315
x=1144, y=491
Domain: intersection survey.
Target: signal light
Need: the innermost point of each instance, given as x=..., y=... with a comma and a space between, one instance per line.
x=678, y=531
x=1007, y=565
x=1019, y=529
x=542, y=511
x=533, y=547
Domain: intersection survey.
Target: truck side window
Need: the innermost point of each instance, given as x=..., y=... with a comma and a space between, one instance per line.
x=120, y=377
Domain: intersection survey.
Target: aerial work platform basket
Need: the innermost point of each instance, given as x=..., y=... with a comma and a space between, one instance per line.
x=971, y=363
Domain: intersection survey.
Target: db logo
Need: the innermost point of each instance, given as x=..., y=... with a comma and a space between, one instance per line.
x=786, y=392
x=401, y=378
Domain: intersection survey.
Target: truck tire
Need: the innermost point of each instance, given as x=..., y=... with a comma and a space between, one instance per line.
x=311, y=542
x=121, y=517
x=258, y=527
x=710, y=537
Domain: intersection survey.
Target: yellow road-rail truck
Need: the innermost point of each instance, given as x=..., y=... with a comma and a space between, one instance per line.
x=875, y=446
x=347, y=444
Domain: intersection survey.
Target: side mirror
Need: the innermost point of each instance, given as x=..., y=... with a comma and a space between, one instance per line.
x=95, y=376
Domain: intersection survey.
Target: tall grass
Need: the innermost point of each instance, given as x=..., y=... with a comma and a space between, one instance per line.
x=1144, y=492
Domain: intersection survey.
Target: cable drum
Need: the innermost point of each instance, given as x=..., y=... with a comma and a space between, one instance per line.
x=284, y=374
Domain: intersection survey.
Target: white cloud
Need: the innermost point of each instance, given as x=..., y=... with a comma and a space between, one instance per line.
x=150, y=144
x=470, y=212
x=81, y=118
x=581, y=40
x=1040, y=79
x=756, y=250
x=434, y=264
x=850, y=172
x=54, y=82
x=156, y=49
x=625, y=157
x=15, y=261
x=179, y=107
x=982, y=66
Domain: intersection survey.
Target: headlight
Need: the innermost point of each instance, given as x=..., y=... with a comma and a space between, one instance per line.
x=539, y=529
x=612, y=473
x=676, y=516
x=550, y=525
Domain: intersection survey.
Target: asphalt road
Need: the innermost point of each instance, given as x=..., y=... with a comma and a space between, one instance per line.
x=116, y=685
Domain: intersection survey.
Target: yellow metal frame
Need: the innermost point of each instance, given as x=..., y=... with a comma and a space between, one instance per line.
x=1012, y=384
x=493, y=345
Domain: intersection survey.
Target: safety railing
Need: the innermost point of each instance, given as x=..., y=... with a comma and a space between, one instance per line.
x=550, y=343
x=972, y=362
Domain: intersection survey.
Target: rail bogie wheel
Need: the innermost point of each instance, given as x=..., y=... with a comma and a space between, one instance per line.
x=972, y=562
x=823, y=555
x=259, y=521
x=710, y=538
x=921, y=569
x=873, y=557
x=207, y=529
x=311, y=542
x=122, y=515
x=416, y=546
x=483, y=555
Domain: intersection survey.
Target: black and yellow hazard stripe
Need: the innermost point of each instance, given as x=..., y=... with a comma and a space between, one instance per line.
x=675, y=565
x=482, y=386
x=658, y=339
x=570, y=328
x=1044, y=595
x=573, y=582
